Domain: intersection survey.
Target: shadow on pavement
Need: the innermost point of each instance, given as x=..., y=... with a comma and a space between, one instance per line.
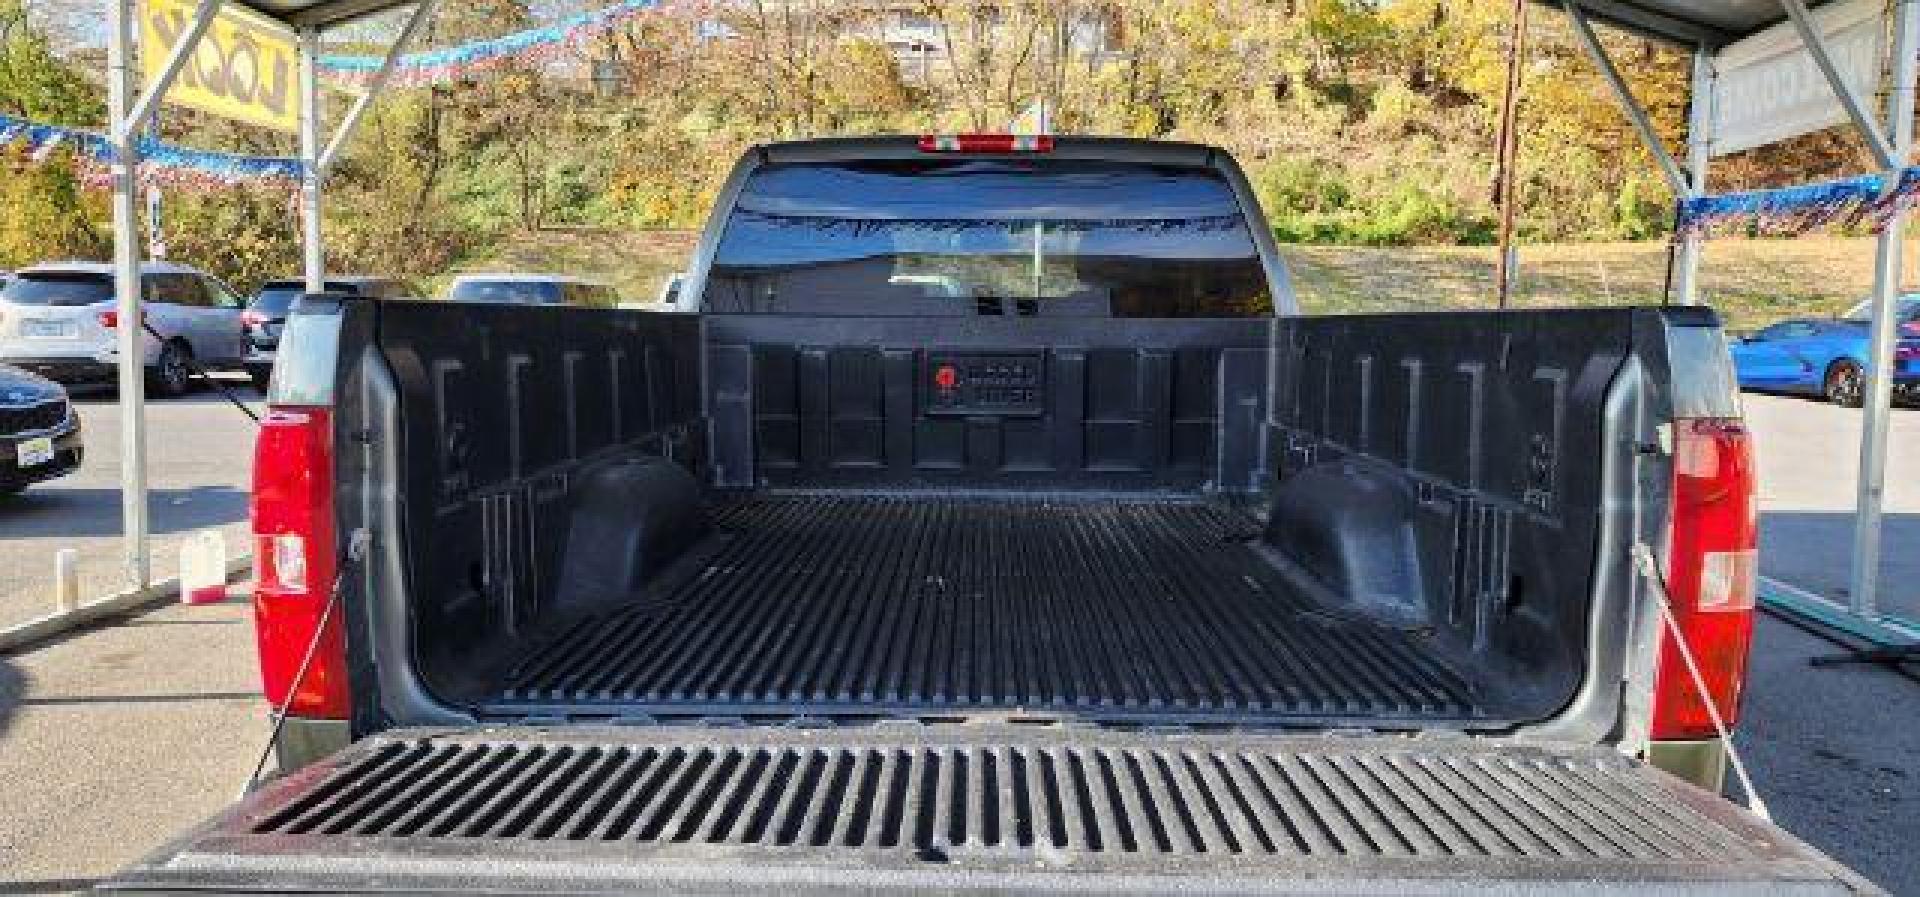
x=141, y=623
x=115, y=700
x=97, y=394
x=50, y=886
x=1898, y=404
x=13, y=690
x=96, y=512
x=1833, y=751
x=1814, y=550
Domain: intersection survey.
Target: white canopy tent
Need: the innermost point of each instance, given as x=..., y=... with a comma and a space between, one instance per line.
x=129, y=111
x=1707, y=26
x=1711, y=28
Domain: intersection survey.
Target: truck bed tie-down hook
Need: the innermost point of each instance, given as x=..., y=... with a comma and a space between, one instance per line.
x=1649, y=568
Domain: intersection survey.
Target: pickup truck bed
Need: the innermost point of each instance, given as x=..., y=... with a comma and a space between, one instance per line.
x=920, y=603
x=1092, y=576
x=997, y=807
x=775, y=521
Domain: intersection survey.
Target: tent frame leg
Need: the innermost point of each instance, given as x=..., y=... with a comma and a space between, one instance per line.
x=1686, y=183
x=129, y=111
x=1889, y=267
x=1700, y=115
x=313, y=245
x=1890, y=146
x=316, y=158
x=1623, y=95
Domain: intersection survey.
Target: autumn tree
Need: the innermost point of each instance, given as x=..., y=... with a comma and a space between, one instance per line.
x=43, y=211
x=37, y=84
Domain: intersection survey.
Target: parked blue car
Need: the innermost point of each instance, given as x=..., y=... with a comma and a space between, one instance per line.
x=1828, y=357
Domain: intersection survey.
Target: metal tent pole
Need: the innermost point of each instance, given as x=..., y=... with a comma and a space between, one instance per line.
x=126, y=264
x=129, y=110
x=1509, y=151
x=316, y=158
x=375, y=87
x=1889, y=265
x=1699, y=155
x=1815, y=42
x=1623, y=94
x=188, y=43
x=311, y=176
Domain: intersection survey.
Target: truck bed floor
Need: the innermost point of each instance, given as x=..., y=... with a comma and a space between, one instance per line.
x=860, y=604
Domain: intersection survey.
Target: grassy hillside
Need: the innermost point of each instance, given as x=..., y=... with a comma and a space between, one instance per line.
x=1751, y=281
x=635, y=262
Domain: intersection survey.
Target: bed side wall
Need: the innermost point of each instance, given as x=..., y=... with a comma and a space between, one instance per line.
x=519, y=425
x=1441, y=472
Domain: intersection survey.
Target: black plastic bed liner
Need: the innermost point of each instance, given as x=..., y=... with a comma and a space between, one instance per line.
x=918, y=605
x=990, y=808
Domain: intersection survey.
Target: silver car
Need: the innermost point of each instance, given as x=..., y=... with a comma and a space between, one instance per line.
x=59, y=320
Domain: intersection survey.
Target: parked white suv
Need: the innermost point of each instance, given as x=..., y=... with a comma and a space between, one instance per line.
x=58, y=320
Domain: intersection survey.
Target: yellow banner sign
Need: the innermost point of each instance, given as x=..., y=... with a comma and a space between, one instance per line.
x=244, y=69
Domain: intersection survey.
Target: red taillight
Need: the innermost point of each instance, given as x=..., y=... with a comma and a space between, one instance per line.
x=985, y=143
x=294, y=560
x=1711, y=558
x=110, y=319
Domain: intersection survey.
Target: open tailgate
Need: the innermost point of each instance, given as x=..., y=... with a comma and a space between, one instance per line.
x=996, y=807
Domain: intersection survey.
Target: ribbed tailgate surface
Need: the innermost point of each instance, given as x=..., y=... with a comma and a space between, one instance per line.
x=781, y=808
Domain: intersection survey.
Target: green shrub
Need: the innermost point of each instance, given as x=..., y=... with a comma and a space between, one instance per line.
x=1308, y=201
x=1638, y=216
x=1411, y=213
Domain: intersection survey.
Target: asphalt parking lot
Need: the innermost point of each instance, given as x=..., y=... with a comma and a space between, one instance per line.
x=1809, y=455
x=200, y=451
x=115, y=738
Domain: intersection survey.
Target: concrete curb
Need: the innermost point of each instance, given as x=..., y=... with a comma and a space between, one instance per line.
x=32, y=632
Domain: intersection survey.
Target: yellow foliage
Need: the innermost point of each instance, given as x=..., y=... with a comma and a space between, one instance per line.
x=44, y=214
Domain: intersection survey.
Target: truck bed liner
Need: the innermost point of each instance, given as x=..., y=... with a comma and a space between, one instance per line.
x=917, y=604
x=988, y=807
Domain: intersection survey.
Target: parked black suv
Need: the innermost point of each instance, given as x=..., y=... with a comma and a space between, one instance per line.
x=39, y=433
x=267, y=312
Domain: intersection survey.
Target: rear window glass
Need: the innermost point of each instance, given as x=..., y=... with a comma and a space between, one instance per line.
x=1040, y=236
x=58, y=289
x=530, y=292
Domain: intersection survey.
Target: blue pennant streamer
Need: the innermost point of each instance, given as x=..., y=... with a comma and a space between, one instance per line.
x=1790, y=211
x=454, y=62
x=159, y=161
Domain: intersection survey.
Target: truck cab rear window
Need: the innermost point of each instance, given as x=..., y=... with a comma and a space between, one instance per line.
x=961, y=237
x=513, y=292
